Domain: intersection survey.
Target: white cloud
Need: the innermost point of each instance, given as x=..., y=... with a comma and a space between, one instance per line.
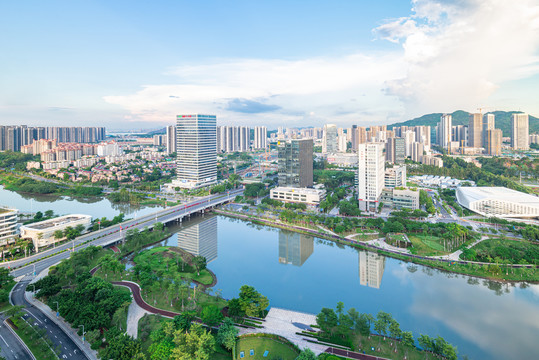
x=454, y=54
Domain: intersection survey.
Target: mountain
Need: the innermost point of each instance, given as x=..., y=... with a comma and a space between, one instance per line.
x=503, y=120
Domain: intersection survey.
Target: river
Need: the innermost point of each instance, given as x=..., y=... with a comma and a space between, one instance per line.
x=484, y=319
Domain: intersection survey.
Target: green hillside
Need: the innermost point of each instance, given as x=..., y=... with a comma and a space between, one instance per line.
x=503, y=120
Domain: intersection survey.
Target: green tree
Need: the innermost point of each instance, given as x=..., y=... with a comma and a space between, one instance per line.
x=211, y=315
x=426, y=343
x=199, y=263
x=327, y=320
x=196, y=344
x=227, y=333
x=306, y=354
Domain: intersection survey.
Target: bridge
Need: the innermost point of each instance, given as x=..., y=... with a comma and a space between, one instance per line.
x=113, y=234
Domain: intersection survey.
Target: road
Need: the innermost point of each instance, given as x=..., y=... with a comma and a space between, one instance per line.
x=11, y=347
x=66, y=347
x=113, y=234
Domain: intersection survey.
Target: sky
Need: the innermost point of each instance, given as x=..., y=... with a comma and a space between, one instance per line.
x=138, y=64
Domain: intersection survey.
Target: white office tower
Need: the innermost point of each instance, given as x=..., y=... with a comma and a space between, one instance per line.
x=171, y=139
x=443, y=130
x=200, y=239
x=342, y=143
x=409, y=138
x=370, y=174
x=196, y=162
x=520, y=132
x=371, y=269
x=329, y=139
x=261, y=137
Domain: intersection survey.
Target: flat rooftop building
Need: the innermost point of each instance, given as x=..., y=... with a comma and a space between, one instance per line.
x=42, y=233
x=498, y=202
x=8, y=225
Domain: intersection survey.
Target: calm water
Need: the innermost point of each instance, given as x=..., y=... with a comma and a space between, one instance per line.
x=485, y=320
x=61, y=205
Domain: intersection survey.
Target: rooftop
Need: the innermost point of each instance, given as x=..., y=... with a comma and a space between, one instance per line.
x=499, y=193
x=62, y=220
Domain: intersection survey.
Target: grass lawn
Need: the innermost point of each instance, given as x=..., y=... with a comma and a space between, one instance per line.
x=387, y=348
x=507, y=250
x=427, y=245
x=277, y=350
x=204, y=277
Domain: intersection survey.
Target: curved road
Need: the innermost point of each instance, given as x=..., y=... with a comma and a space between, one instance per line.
x=67, y=347
x=11, y=347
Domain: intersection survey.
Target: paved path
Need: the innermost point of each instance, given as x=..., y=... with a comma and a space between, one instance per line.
x=135, y=290
x=456, y=255
x=326, y=230
x=286, y=323
x=381, y=243
x=353, y=355
x=134, y=314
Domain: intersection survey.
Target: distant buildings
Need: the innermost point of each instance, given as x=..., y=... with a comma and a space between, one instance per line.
x=329, y=140
x=196, y=162
x=520, y=132
x=342, y=159
x=493, y=142
x=296, y=163
x=14, y=137
x=233, y=138
x=370, y=174
x=8, y=225
x=443, y=130
x=261, y=137
x=475, y=131
x=171, y=139
x=395, y=150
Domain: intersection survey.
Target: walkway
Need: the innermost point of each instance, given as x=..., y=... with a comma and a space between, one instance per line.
x=134, y=314
x=456, y=255
x=135, y=290
x=353, y=355
x=286, y=323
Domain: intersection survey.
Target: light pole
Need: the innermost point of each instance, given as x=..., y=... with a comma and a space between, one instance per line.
x=83, y=333
x=34, y=269
x=57, y=309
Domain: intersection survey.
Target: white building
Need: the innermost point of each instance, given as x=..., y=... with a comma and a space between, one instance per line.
x=8, y=225
x=498, y=202
x=329, y=139
x=395, y=176
x=444, y=129
x=342, y=143
x=261, y=137
x=110, y=148
x=520, y=132
x=42, y=233
x=196, y=163
x=308, y=196
x=371, y=169
x=233, y=138
x=171, y=139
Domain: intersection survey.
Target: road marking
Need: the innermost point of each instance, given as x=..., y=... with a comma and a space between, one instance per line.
x=4, y=340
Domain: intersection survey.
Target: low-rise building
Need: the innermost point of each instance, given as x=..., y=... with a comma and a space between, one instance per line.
x=8, y=225
x=400, y=198
x=308, y=196
x=498, y=202
x=395, y=176
x=343, y=160
x=42, y=233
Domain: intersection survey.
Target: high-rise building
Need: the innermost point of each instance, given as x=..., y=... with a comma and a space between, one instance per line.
x=475, y=131
x=329, y=140
x=296, y=163
x=460, y=135
x=233, y=138
x=395, y=150
x=261, y=137
x=417, y=151
x=422, y=134
x=196, y=164
x=489, y=123
x=493, y=142
x=371, y=269
x=294, y=248
x=370, y=179
x=342, y=143
x=171, y=139
x=443, y=130
x=520, y=132
x=200, y=239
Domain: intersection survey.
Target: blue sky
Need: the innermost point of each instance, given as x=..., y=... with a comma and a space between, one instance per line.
x=295, y=63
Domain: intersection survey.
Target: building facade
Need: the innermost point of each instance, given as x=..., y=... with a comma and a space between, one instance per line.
x=370, y=174
x=443, y=130
x=8, y=225
x=329, y=140
x=261, y=137
x=308, y=196
x=475, y=131
x=520, y=132
x=196, y=161
x=171, y=139
x=296, y=163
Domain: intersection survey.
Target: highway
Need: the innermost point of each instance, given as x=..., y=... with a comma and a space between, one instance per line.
x=11, y=347
x=113, y=234
x=67, y=349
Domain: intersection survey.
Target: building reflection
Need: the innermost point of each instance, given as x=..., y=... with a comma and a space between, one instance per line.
x=294, y=248
x=371, y=269
x=200, y=238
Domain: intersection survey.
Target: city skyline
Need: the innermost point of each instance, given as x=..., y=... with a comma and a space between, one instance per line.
x=265, y=64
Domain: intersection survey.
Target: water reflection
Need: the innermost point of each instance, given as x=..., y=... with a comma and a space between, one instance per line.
x=199, y=237
x=294, y=248
x=371, y=269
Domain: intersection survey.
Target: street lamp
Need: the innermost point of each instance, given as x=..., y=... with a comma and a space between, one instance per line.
x=83, y=333
x=34, y=269
x=57, y=309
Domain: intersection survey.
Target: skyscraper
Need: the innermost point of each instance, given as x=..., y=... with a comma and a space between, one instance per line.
x=395, y=150
x=296, y=163
x=196, y=164
x=171, y=139
x=329, y=140
x=475, y=131
x=261, y=137
x=520, y=132
x=443, y=130
x=493, y=142
x=370, y=174
x=488, y=124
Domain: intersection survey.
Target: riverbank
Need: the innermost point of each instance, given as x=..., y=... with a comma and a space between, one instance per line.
x=489, y=271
